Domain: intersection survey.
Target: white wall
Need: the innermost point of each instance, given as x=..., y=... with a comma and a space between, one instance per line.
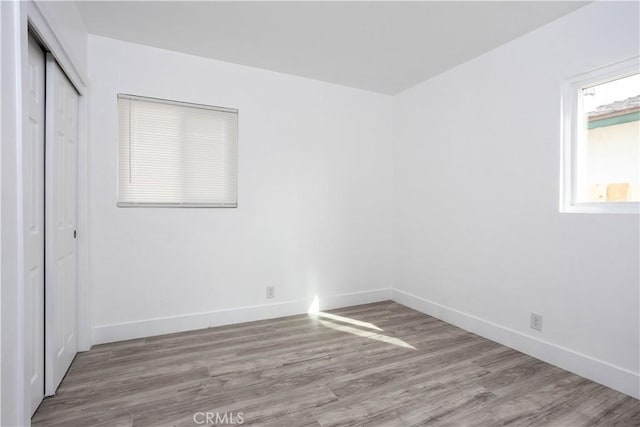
x=313, y=216
x=478, y=237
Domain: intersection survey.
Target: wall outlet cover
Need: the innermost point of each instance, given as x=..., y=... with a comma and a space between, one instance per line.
x=536, y=321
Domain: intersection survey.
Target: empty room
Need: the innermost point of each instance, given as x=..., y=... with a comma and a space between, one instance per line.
x=320, y=213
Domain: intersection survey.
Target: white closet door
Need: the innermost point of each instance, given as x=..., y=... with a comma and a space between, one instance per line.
x=61, y=177
x=33, y=163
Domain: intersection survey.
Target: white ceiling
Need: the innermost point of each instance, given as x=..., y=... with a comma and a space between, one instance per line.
x=379, y=46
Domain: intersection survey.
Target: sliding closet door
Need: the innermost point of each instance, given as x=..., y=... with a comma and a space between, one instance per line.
x=61, y=195
x=33, y=167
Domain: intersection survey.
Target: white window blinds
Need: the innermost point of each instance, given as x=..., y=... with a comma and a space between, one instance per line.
x=176, y=154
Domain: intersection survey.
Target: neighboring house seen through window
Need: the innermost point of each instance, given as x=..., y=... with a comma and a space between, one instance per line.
x=602, y=141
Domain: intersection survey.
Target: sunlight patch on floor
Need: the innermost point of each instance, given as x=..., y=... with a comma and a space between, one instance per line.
x=348, y=320
x=323, y=318
x=366, y=334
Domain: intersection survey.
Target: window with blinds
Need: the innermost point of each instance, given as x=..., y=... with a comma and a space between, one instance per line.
x=176, y=154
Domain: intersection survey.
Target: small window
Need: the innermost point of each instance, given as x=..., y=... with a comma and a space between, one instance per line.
x=175, y=154
x=601, y=156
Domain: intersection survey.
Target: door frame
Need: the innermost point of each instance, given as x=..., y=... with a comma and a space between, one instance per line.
x=22, y=17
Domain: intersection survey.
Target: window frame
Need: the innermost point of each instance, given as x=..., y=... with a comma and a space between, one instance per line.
x=121, y=204
x=571, y=133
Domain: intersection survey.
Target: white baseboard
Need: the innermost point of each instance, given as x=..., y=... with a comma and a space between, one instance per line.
x=188, y=322
x=612, y=376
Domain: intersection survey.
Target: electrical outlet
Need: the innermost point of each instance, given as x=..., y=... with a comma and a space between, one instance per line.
x=271, y=291
x=536, y=322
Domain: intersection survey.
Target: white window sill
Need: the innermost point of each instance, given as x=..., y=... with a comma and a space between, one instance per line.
x=603, y=208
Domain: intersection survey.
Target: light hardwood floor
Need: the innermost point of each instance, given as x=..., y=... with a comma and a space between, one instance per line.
x=379, y=364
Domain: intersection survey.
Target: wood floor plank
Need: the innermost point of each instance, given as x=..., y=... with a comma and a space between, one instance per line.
x=379, y=364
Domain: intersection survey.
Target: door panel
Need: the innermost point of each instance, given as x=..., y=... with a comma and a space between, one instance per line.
x=61, y=177
x=33, y=167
